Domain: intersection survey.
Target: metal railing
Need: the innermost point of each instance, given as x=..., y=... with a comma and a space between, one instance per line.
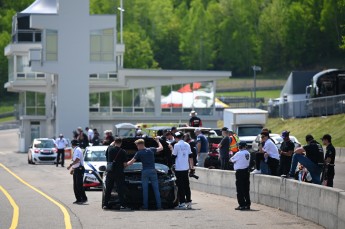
x=315, y=107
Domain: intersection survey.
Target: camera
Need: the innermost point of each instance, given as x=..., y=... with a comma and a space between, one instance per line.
x=192, y=174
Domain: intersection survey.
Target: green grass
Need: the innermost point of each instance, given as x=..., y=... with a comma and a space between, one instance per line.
x=7, y=119
x=6, y=108
x=333, y=125
x=259, y=94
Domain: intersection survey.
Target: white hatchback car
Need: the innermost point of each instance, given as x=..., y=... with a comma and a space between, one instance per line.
x=42, y=150
x=94, y=157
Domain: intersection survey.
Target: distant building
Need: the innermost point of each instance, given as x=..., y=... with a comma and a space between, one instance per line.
x=295, y=89
x=67, y=67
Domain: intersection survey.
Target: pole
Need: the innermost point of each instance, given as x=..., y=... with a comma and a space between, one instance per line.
x=254, y=86
x=121, y=21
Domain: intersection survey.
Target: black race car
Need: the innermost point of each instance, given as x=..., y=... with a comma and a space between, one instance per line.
x=133, y=193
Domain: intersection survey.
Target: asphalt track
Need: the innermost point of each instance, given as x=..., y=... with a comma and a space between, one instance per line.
x=41, y=196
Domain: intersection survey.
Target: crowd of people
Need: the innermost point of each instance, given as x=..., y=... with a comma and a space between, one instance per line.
x=304, y=163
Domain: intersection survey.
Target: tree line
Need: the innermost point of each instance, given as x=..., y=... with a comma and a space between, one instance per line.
x=218, y=34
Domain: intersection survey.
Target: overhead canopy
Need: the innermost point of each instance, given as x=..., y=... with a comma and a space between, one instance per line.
x=42, y=7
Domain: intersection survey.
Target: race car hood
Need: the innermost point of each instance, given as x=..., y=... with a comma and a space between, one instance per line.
x=94, y=165
x=248, y=139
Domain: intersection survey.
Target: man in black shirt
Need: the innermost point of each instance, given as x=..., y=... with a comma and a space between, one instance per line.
x=224, y=147
x=116, y=155
x=329, y=158
x=194, y=121
x=286, y=151
x=313, y=152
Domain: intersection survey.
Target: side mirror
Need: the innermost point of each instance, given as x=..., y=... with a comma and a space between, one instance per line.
x=102, y=168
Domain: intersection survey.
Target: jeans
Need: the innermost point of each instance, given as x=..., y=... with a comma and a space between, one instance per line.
x=224, y=163
x=273, y=164
x=314, y=169
x=258, y=158
x=182, y=182
x=243, y=187
x=78, y=187
x=62, y=153
x=201, y=159
x=146, y=176
x=119, y=180
x=284, y=165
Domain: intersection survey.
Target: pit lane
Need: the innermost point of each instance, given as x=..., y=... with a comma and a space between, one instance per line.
x=209, y=211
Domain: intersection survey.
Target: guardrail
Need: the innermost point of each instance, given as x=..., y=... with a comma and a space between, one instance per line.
x=322, y=205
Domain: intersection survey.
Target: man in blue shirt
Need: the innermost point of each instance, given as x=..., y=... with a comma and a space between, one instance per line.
x=202, y=147
x=148, y=173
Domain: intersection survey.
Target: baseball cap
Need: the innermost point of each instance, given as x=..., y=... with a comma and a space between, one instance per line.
x=139, y=141
x=242, y=144
x=225, y=129
x=285, y=134
x=60, y=135
x=309, y=137
x=327, y=137
x=178, y=135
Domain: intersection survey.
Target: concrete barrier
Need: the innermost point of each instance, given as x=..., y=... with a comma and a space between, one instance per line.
x=340, y=155
x=322, y=205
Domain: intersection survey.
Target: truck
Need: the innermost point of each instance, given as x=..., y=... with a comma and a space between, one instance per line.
x=246, y=123
x=323, y=95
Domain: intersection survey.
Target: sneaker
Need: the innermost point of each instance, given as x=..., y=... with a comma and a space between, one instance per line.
x=122, y=208
x=77, y=202
x=181, y=206
x=256, y=171
x=240, y=208
x=106, y=207
x=84, y=201
x=189, y=205
x=247, y=207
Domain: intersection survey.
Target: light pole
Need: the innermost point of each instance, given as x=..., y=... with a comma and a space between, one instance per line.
x=121, y=9
x=255, y=69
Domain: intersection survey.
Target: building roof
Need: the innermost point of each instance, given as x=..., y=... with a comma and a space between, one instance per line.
x=297, y=82
x=42, y=7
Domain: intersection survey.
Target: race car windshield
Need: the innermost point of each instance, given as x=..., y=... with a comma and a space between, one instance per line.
x=44, y=144
x=138, y=167
x=95, y=156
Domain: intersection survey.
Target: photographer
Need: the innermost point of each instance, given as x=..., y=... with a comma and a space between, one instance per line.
x=183, y=162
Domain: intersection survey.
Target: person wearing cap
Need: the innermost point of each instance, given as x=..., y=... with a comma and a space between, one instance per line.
x=271, y=153
x=241, y=162
x=78, y=170
x=61, y=144
x=183, y=163
x=194, y=121
x=201, y=146
x=329, y=158
x=286, y=151
x=224, y=147
x=309, y=156
x=148, y=173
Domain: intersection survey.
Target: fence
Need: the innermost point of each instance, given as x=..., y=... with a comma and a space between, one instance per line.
x=324, y=106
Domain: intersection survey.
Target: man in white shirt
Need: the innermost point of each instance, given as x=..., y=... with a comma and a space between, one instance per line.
x=241, y=162
x=61, y=144
x=78, y=173
x=183, y=163
x=271, y=153
x=89, y=134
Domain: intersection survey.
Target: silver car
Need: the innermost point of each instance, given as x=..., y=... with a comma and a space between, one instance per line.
x=42, y=150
